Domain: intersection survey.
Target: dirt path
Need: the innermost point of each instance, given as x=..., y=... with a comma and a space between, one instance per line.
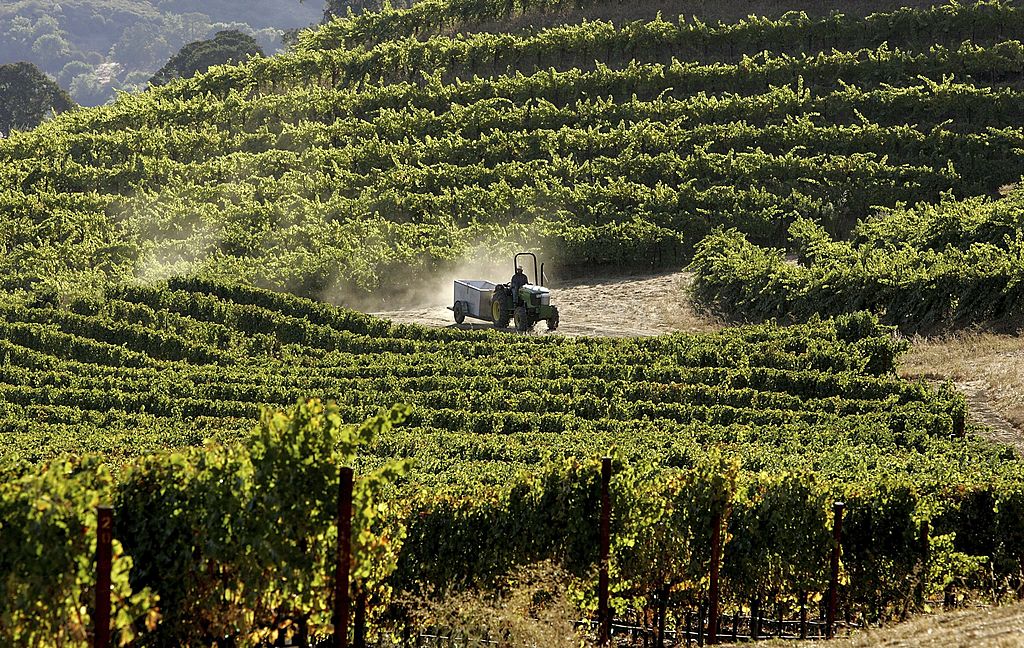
x=643, y=305
x=980, y=410
x=1001, y=627
x=988, y=369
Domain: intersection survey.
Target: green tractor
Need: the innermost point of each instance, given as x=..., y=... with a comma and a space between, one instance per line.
x=523, y=302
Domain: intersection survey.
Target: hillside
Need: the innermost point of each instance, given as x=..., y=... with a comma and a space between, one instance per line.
x=95, y=47
x=141, y=362
x=171, y=340
x=326, y=171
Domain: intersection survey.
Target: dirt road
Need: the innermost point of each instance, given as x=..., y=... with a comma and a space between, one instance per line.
x=610, y=307
x=988, y=368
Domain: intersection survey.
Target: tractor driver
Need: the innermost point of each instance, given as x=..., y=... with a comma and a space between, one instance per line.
x=518, y=281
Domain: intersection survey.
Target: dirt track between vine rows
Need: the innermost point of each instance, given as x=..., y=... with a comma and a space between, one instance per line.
x=994, y=627
x=608, y=307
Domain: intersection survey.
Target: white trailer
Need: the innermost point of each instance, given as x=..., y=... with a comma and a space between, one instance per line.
x=472, y=299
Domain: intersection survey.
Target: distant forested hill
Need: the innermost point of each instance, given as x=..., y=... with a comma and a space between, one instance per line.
x=94, y=47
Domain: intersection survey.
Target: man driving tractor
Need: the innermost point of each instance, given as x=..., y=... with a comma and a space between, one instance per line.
x=518, y=281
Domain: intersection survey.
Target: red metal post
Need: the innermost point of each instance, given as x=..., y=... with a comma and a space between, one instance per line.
x=604, y=613
x=344, y=563
x=833, y=583
x=104, y=558
x=716, y=559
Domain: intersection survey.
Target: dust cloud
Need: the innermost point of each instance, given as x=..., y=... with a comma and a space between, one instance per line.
x=420, y=287
x=177, y=254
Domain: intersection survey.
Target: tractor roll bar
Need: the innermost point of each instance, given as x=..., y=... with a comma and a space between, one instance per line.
x=538, y=279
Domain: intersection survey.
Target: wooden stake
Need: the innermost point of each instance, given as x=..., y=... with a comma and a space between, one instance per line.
x=104, y=559
x=344, y=562
x=833, y=584
x=716, y=559
x=604, y=611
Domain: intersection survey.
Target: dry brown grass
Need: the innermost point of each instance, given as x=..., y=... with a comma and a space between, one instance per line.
x=988, y=364
x=1001, y=627
x=530, y=608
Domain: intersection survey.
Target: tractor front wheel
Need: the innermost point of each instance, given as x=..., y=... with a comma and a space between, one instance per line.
x=499, y=315
x=553, y=320
x=522, y=317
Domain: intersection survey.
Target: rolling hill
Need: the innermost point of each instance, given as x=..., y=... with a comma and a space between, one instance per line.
x=168, y=347
x=95, y=48
x=375, y=152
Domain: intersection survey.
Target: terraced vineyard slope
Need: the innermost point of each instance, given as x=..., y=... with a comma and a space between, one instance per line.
x=762, y=418
x=376, y=152
x=160, y=350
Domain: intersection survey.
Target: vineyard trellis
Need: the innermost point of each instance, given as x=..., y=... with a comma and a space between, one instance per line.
x=707, y=626
x=925, y=268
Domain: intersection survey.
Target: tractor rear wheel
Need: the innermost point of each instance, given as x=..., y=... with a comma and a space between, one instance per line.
x=499, y=315
x=553, y=320
x=460, y=312
x=522, y=317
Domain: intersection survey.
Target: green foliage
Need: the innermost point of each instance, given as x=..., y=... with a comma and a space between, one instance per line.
x=136, y=362
x=339, y=8
x=29, y=97
x=377, y=152
x=335, y=170
x=662, y=541
x=239, y=541
x=950, y=569
x=881, y=550
x=48, y=534
x=763, y=424
x=778, y=539
x=925, y=268
x=427, y=18
x=1009, y=514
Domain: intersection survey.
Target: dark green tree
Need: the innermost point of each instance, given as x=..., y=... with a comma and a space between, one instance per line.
x=231, y=46
x=340, y=8
x=28, y=97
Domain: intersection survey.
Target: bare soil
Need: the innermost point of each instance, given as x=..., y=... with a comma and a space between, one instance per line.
x=999, y=627
x=988, y=368
x=601, y=306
